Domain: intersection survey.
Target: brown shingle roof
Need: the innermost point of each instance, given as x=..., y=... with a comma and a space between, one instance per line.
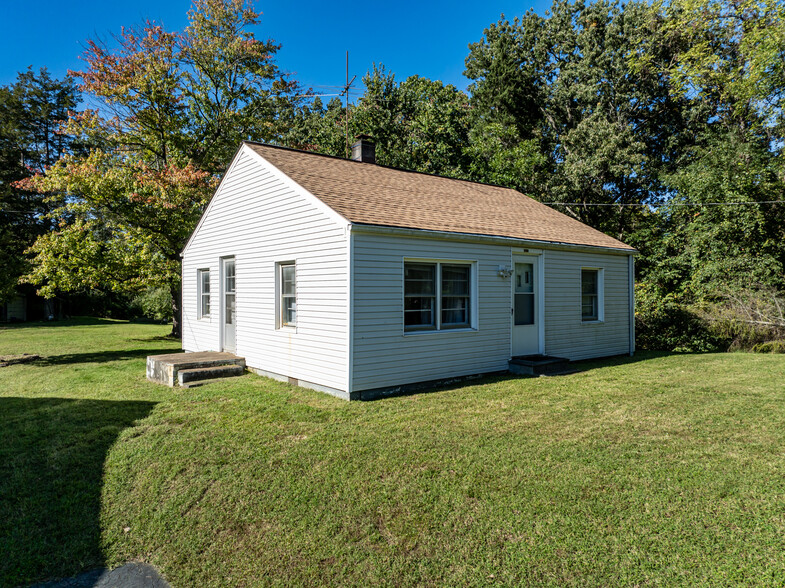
x=375, y=195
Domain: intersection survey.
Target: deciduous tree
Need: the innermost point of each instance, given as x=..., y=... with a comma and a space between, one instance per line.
x=559, y=115
x=32, y=111
x=418, y=124
x=174, y=107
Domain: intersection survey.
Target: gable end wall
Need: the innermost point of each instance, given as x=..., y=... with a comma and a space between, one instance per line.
x=261, y=218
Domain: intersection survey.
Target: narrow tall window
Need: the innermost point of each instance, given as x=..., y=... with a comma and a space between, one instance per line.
x=419, y=293
x=590, y=295
x=455, y=296
x=203, y=278
x=288, y=290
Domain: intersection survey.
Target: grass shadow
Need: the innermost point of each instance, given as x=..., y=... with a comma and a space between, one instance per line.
x=81, y=321
x=585, y=365
x=52, y=454
x=99, y=356
x=457, y=383
x=156, y=338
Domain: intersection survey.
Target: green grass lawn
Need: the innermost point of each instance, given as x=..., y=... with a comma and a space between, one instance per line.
x=653, y=470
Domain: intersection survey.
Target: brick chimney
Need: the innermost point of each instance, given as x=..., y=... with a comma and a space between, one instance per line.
x=364, y=149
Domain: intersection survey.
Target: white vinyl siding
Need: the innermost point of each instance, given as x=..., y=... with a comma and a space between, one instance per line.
x=16, y=309
x=566, y=333
x=387, y=355
x=262, y=219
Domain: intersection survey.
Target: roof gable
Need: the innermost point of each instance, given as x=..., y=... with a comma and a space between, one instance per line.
x=371, y=194
x=261, y=166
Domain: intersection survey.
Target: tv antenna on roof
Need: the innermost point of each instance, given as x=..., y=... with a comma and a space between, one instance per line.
x=345, y=92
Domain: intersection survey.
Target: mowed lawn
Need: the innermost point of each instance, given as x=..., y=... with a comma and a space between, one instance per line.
x=653, y=470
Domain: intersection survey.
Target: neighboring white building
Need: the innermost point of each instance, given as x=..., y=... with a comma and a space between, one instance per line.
x=14, y=310
x=354, y=278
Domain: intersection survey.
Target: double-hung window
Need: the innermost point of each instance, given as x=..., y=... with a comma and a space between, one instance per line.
x=203, y=286
x=288, y=295
x=437, y=296
x=591, y=295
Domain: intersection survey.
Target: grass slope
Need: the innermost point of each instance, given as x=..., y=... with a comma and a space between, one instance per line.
x=653, y=470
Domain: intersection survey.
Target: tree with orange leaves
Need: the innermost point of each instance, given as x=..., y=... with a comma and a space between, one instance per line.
x=173, y=106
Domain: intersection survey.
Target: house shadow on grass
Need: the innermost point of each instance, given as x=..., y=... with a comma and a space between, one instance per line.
x=100, y=356
x=463, y=381
x=52, y=453
x=585, y=365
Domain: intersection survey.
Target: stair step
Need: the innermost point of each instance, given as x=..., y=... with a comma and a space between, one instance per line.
x=163, y=368
x=539, y=365
x=197, y=383
x=209, y=373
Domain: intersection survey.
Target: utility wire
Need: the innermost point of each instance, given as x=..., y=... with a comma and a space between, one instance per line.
x=666, y=204
x=315, y=95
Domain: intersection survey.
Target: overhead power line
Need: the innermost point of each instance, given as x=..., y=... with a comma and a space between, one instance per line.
x=666, y=204
x=315, y=95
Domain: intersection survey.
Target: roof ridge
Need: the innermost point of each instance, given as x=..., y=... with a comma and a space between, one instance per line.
x=390, y=167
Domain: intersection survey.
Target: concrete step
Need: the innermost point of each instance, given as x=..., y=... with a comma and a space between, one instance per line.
x=190, y=375
x=163, y=368
x=539, y=365
x=197, y=383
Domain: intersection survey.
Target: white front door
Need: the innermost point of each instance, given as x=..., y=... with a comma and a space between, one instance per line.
x=228, y=314
x=526, y=306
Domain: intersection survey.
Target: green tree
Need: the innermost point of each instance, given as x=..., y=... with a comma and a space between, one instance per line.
x=728, y=63
x=179, y=104
x=559, y=115
x=32, y=112
x=316, y=126
x=418, y=124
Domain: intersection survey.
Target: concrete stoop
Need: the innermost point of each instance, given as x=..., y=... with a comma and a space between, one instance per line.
x=539, y=365
x=193, y=369
x=198, y=376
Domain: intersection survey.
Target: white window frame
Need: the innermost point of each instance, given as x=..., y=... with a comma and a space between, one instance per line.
x=279, y=295
x=201, y=294
x=600, y=295
x=438, y=327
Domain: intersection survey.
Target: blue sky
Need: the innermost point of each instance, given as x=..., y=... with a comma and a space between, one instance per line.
x=425, y=38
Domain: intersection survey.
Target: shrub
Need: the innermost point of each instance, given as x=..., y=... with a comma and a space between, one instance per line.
x=665, y=323
x=769, y=347
x=154, y=304
x=751, y=318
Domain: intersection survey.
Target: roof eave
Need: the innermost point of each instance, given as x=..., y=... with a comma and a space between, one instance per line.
x=491, y=239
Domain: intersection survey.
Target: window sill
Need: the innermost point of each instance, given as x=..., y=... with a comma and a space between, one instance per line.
x=595, y=322
x=439, y=331
x=287, y=329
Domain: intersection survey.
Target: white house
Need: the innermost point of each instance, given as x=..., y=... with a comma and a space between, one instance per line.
x=355, y=279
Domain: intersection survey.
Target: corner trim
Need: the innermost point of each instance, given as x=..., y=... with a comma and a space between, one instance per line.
x=631, y=287
x=350, y=311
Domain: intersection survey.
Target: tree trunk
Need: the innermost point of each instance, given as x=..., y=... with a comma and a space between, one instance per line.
x=176, y=291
